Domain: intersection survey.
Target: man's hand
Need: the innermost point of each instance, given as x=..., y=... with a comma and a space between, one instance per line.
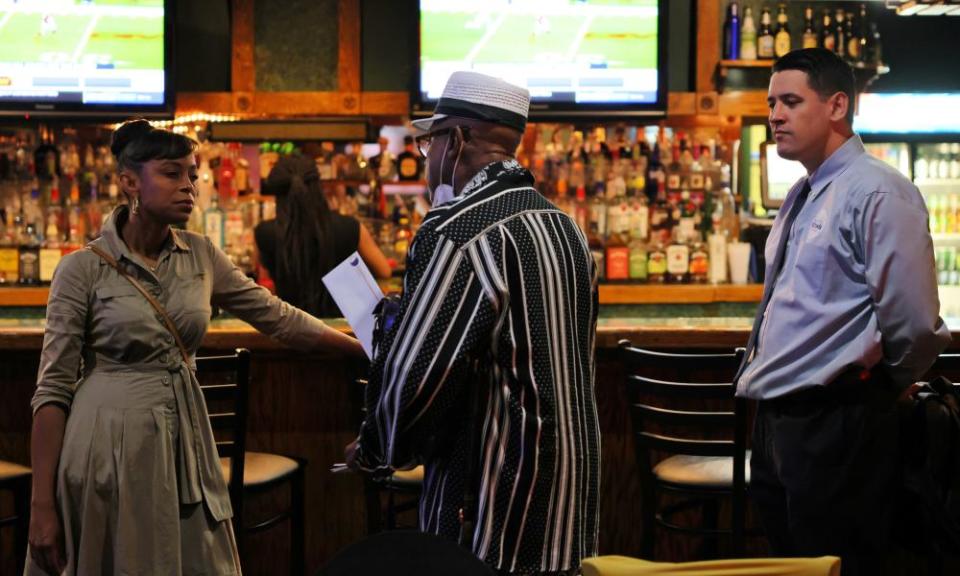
x=46, y=538
x=350, y=454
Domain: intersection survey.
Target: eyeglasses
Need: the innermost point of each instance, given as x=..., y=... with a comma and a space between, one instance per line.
x=424, y=140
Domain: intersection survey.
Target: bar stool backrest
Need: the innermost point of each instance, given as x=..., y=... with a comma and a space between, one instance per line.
x=224, y=381
x=947, y=365
x=712, y=421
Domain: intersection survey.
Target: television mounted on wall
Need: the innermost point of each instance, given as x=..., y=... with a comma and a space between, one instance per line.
x=578, y=58
x=100, y=58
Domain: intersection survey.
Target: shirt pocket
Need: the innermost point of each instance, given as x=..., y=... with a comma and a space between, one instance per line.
x=193, y=292
x=814, y=256
x=122, y=299
x=124, y=321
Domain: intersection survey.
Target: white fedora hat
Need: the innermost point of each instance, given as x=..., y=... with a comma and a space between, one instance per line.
x=480, y=97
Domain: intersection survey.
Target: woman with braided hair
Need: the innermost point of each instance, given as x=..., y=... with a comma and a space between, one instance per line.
x=307, y=239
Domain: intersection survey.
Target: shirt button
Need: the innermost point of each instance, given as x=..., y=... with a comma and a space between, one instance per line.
x=164, y=357
x=165, y=381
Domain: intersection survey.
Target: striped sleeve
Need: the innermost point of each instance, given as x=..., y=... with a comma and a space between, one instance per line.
x=416, y=379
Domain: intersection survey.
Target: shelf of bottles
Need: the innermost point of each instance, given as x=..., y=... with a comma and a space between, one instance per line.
x=56, y=190
x=654, y=204
x=755, y=33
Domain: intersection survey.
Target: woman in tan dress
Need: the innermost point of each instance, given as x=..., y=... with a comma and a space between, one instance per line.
x=126, y=478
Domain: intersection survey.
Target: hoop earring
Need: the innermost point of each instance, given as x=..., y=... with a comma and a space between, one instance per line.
x=136, y=206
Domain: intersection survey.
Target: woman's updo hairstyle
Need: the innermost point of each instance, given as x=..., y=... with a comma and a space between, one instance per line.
x=136, y=142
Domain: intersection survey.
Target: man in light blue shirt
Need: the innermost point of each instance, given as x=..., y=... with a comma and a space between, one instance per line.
x=849, y=318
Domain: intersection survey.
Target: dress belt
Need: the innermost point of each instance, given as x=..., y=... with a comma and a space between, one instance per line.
x=200, y=478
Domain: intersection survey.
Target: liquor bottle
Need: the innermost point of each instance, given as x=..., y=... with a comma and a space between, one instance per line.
x=638, y=222
x=617, y=257
x=731, y=32
x=233, y=229
x=598, y=212
x=76, y=228
x=226, y=193
x=401, y=238
x=50, y=248
x=409, y=163
x=595, y=244
x=853, y=40
x=205, y=186
x=827, y=39
x=213, y=222
x=840, y=34
x=582, y=210
x=781, y=44
x=638, y=260
x=660, y=225
x=9, y=254
x=657, y=265
x=686, y=224
x=699, y=264
x=678, y=262
x=809, y=30
x=717, y=243
x=748, y=36
x=765, y=41
x=29, y=256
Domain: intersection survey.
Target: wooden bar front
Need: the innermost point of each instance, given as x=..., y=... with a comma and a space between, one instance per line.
x=300, y=404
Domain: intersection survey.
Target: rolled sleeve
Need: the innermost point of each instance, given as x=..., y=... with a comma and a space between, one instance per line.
x=63, y=337
x=901, y=275
x=236, y=293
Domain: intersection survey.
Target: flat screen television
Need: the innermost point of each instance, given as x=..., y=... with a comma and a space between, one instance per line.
x=103, y=58
x=777, y=176
x=578, y=58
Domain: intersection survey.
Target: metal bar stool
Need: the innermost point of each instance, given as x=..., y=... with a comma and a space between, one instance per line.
x=401, y=489
x=249, y=472
x=694, y=454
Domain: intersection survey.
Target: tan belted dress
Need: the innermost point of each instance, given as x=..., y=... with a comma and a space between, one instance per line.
x=139, y=486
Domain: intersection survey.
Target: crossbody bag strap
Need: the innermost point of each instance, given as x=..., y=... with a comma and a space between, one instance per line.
x=164, y=317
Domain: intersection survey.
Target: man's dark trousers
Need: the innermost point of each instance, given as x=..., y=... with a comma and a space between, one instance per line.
x=824, y=471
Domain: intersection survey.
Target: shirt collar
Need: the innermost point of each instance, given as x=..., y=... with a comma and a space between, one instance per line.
x=836, y=164
x=110, y=232
x=509, y=170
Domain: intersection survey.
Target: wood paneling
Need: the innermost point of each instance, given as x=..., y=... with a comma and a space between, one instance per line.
x=744, y=103
x=609, y=294
x=242, y=70
x=681, y=103
x=24, y=296
x=384, y=103
x=708, y=43
x=678, y=294
x=348, y=66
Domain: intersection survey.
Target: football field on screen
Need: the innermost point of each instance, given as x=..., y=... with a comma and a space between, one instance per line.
x=120, y=41
x=614, y=42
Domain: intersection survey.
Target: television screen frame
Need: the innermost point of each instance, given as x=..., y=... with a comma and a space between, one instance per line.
x=768, y=202
x=558, y=111
x=113, y=111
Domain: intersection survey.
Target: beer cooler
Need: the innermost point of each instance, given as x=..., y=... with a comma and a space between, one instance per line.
x=919, y=135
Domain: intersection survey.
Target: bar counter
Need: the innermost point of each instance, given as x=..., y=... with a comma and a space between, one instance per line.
x=303, y=405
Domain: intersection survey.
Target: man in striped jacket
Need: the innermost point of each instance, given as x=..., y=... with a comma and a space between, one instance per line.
x=499, y=305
